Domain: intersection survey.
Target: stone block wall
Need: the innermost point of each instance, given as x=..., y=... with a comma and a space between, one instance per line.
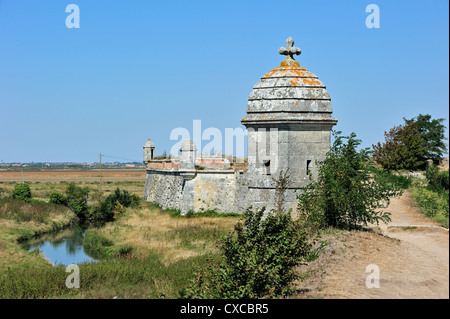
x=225, y=191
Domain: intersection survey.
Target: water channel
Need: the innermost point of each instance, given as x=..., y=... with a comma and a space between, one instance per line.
x=62, y=248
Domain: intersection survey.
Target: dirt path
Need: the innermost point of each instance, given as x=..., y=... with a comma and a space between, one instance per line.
x=413, y=262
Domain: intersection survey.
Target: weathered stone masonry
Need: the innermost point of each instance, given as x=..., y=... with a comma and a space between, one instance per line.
x=289, y=120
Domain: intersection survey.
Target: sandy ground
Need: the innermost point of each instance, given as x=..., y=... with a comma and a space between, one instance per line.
x=412, y=262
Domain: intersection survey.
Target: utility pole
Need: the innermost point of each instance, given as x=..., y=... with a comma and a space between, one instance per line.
x=21, y=173
x=100, y=172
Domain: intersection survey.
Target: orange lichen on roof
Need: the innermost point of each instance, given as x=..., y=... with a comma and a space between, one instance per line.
x=297, y=71
x=245, y=118
x=310, y=81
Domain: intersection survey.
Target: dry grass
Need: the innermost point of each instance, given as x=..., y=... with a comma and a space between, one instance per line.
x=43, y=183
x=151, y=231
x=16, y=228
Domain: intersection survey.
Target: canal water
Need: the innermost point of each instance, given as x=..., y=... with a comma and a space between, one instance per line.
x=62, y=248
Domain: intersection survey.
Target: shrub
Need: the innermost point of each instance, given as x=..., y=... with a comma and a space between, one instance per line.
x=349, y=189
x=431, y=203
x=256, y=261
x=57, y=198
x=439, y=180
x=108, y=209
x=77, y=198
x=22, y=192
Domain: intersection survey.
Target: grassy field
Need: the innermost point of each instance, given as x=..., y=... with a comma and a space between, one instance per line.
x=44, y=182
x=146, y=253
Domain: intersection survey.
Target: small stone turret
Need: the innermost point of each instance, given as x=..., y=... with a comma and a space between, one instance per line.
x=289, y=118
x=188, y=153
x=149, y=151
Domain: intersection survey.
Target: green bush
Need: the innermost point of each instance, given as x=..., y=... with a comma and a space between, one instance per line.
x=257, y=260
x=22, y=192
x=57, y=198
x=443, y=179
x=349, y=190
x=438, y=180
x=108, y=209
x=432, y=204
x=77, y=198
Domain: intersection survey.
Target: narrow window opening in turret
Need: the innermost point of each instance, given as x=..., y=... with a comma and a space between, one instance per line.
x=267, y=166
x=308, y=167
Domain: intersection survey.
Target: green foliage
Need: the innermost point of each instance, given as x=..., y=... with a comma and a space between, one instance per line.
x=257, y=260
x=402, y=182
x=77, y=198
x=432, y=134
x=118, y=210
x=432, y=204
x=57, y=198
x=349, y=190
x=438, y=180
x=408, y=146
x=114, y=205
x=403, y=149
x=2, y=191
x=22, y=192
x=97, y=245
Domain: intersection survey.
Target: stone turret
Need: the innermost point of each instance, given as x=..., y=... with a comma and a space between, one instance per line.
x=289, y=122
x=149, y=151
x=188, y=153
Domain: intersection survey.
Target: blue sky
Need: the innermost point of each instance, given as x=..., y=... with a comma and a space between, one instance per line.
x=138, y=69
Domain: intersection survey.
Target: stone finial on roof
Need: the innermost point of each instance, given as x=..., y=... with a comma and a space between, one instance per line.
x=290, y=50
x=149, y=143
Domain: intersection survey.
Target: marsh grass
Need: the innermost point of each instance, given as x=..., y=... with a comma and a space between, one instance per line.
x=20, y=221
x=32, y=210
x=147, y=231
x=121, y=278
x=145, y=254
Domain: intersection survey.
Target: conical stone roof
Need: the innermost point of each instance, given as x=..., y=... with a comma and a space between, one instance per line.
x=289, y=94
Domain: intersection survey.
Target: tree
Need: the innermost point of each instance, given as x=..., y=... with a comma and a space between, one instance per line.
x=432, y=134
x=349, y=190
x=409, y=146
x=403, y=149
